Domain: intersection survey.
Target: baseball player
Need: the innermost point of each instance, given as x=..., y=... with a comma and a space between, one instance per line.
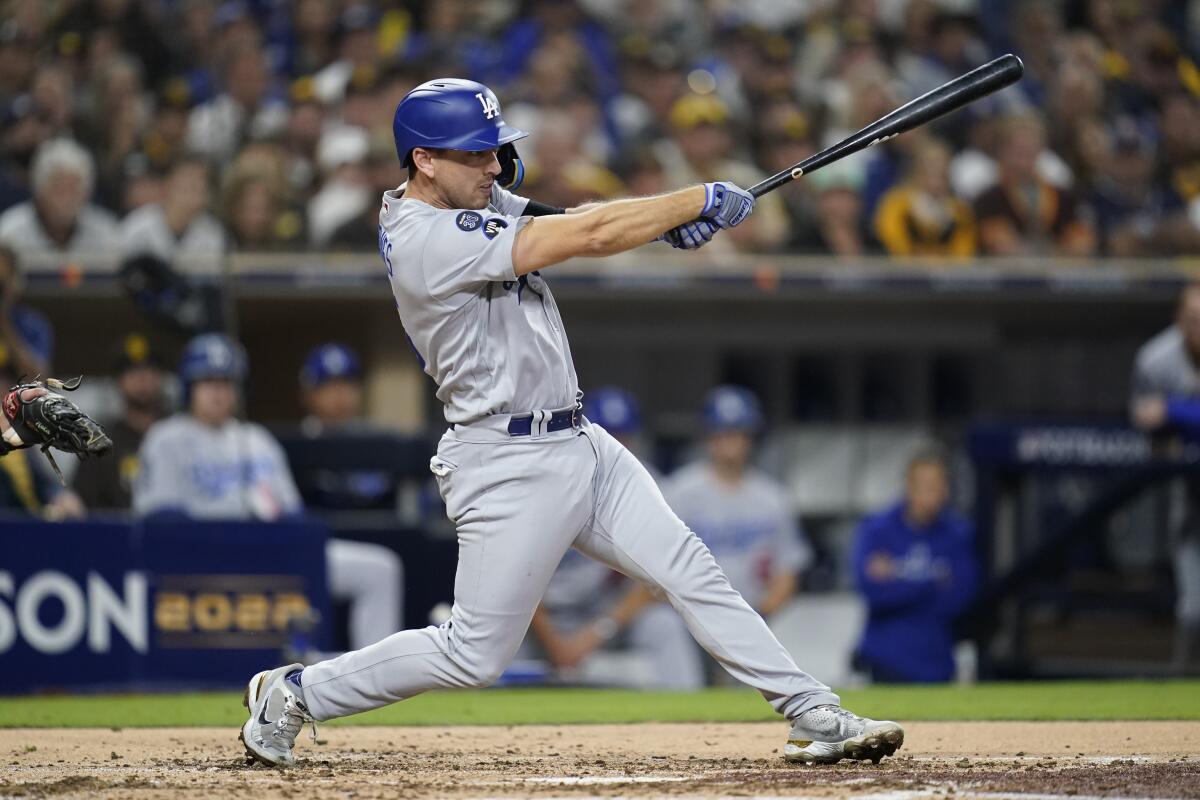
x=740, y=513
x=1166, y=402
x=331, y=391
x=586, y=605
x=205, y=463
x=523, y=473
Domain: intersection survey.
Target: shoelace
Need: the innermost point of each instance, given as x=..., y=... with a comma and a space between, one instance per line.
x=848, y=716
x=292, y=720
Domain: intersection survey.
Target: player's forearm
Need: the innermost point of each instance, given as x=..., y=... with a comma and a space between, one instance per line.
x=779, y=591
x=622, y=225
x=543, y=628
x=606, y=229
x=630, y=605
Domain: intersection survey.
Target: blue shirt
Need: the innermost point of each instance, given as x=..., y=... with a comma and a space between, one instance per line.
x=910, y=616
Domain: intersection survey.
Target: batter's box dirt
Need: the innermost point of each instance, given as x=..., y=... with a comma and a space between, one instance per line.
x=940, y=761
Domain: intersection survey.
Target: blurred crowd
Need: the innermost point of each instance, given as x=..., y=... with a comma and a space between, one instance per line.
x=189, y=128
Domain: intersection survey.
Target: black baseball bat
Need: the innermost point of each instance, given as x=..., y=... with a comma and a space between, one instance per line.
x=981, y=81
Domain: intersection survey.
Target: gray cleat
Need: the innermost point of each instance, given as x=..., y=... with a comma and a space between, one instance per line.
x=276, y=717
x=827, y=734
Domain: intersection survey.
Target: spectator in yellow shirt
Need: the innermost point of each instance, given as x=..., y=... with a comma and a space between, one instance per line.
x=921, y=217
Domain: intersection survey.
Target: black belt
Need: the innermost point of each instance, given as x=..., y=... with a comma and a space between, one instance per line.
x=522, y=424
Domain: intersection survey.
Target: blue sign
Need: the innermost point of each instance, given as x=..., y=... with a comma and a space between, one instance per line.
x=104, y=604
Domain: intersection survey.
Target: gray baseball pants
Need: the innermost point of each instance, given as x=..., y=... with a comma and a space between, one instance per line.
x=518, y=504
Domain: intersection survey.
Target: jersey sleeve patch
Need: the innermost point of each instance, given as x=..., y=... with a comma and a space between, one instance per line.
x=469, y=221
x=493, y=226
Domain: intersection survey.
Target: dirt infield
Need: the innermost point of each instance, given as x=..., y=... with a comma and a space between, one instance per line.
x=997, y=760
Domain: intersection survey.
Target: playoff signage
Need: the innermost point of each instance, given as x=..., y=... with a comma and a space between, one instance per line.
x=106, y=604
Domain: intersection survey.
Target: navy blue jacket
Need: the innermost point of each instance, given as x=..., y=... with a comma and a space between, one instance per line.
x=909, y=633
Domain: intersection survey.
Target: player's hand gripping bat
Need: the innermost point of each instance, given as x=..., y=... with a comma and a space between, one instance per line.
x=977, y=83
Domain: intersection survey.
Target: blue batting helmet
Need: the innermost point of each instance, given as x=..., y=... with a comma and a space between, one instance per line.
x=330, y=362
x=732, y=408
x=452, y=114
x=613, y=409
x=212, y=355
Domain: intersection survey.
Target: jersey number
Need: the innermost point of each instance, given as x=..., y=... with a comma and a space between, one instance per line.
x=490, y=107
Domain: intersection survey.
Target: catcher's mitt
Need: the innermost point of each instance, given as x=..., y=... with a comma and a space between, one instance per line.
x=50, y=420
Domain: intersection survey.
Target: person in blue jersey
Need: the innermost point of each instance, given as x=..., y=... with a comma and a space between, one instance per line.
x=915, y=565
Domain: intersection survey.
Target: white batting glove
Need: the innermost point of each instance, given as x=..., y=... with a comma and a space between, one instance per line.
x=726, y=204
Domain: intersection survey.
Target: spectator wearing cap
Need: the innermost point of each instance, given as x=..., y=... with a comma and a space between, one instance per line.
x=26, y=338
x=914, y=563
x=106, y=484
x=1135, y=215
x=741, y=513
x=59, y=220
x=921, y=217
x=164, y=137
x=179, y=230
x=701, y=149
x=1024, y=214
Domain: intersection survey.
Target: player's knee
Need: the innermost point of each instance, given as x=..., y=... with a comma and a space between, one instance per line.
x=484, y=669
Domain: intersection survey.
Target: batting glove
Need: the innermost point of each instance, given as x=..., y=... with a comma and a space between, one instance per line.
x=726, y=204
x=690, y=235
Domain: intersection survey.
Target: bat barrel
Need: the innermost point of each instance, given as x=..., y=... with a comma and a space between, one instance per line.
x=977, y=83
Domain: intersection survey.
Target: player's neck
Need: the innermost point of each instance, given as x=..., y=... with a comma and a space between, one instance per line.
x=419, y=188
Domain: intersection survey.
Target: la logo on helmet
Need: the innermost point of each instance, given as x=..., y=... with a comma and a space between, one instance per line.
x=491, y=107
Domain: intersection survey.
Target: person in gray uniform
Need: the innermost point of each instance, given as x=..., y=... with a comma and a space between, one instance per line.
x=206, y=463
x=739, y=512
x=1165, y=402
x=523, y=473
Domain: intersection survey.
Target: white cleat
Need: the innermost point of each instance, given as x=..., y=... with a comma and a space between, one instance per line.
x=827, y=734
x=276, y=717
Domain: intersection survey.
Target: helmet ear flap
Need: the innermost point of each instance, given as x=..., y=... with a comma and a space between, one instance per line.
x=512, y=171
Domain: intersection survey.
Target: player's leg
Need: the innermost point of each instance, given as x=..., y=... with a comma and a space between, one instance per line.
x=517, y=509
x=634, y=531
x=371, y=578
x=659, y=635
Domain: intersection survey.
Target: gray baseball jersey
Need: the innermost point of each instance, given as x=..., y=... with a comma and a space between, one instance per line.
x=748, y=527
x=237, y=471
x=1164, y=367
x=493, y=342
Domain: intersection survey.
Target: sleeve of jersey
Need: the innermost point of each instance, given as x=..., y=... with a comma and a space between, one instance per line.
x=509, y=204
x=468, y=249
x=157, y=486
